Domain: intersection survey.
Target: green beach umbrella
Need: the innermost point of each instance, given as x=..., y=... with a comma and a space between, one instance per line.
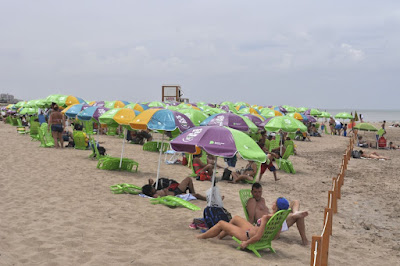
x=212, y=111
x=315, y=112
x=286, y=123
x=194, y=115
x=28, y=111
x=324, y=115
x=365, y=127
x=344, y=115
x=302, y=109
x=20, y=104
x=290, y=109
x=156, y=104
x=108, y=117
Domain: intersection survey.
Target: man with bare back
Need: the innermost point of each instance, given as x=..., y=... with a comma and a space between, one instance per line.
x=256, y=208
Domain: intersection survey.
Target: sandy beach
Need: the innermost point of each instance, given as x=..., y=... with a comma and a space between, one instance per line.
x=57, y=208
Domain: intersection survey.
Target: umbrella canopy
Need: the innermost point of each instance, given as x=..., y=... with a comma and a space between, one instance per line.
x=295, y=116
x=248, y=110
x=118, y=116
x=324, y=115
x=310, y=118
x=137, y=106
x=20, y=104
x=156, y=104
x=365, y=127
x=344, y=115
x=280, y=109
x=266, y=112
x=28, y=111
x=290, y=109
x=194, y=115
x=219, y=141
x=73, y=110
x=313, y=112
x=114, y=104
x=71, y=100
x=228, y=108
x=287, y=124
x=302, y=109
x=92, y=112
x=212, y=110
x=228, y=119
x=161, y=119
x=256, y=119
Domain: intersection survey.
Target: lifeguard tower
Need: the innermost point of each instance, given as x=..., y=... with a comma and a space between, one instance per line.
x=173, y=93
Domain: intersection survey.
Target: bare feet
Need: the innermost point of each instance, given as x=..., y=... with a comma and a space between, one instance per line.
x=305, y=242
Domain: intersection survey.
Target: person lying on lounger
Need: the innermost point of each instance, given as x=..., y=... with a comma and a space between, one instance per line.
x=173, y=189
x=241, y=228
x=257, y=208
x=373, y=155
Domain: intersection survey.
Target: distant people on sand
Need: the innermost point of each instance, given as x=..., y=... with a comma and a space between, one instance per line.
x=361, y=118
x=365, y=143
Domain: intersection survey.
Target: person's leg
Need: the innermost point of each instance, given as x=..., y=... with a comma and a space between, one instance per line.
x=239, y=222
x=275, y=177
x=54, y=134
x=297, y=217
x=242, y=177
x=262, y=170
x=187, y=183
x=60, y=137
x=230, y=229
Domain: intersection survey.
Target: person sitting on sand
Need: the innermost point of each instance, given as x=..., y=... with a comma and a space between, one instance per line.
x=365, y=143
x=246, y=173
x=392, y=146
x=201, y=168
x=373, y=155
x=256, y=208
x=173, y=190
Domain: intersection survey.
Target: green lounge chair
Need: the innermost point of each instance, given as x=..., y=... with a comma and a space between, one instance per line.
x=284, y=162
x=272, y=227
x=273, y=144
x=203, y=158
x=45, y=137
x=34, y=130
x=79, y=140
x=14, y=121
x=112, y=163
x=245, y=195
x=111, y=131
x=287, y=143
x=256, y=175
x=8, y=120
x=155, y=146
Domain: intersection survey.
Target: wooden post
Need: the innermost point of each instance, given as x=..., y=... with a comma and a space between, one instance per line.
x=330, y=219
x=325, y=244
x=334, y=201
x=337, y=187
x=316, y=252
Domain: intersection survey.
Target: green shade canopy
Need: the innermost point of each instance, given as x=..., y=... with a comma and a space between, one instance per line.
x=286, y=123
x=365, y=127
x=344, y=115
x=194, y=115
x=324, y=114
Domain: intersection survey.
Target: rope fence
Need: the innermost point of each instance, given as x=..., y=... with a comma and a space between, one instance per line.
x=320, y=243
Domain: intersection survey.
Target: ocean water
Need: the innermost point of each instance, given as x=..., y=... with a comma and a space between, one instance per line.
x=371, y=115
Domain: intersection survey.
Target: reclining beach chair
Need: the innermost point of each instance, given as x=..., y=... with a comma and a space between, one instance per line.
x=287, y=143
x=111, y=131
x=79, y=140
x=284, y=162
x=272, y=227
x=155, y=146
x=203, y=158
x=45, y=137
x=256, y=175
x=34, y=130
x=245, y=195
x=112, y=163
x=273, y=144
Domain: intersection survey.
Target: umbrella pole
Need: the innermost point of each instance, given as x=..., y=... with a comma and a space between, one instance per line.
x=159, y=159
x=123, y=145
x=213, y=182
x=280, y=152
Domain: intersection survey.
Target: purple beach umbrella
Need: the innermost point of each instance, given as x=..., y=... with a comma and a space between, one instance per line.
x=226, y=119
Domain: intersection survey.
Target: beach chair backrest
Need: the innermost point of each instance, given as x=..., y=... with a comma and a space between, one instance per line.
x=288, y=152
x=257, y=173
x=274, y=225
x=245, y=195
x=79, y=140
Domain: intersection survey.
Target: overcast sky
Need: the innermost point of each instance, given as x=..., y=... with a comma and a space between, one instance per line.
x=328, y=54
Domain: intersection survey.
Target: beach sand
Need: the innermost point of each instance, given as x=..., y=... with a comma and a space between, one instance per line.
x=57, y=208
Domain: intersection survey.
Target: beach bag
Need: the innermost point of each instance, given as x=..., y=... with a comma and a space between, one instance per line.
x=184, y=160
x=356, y=154
x=166, y=183
x=102, y=150
x=382, y=142
x=212, y=215
x=227, y=174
